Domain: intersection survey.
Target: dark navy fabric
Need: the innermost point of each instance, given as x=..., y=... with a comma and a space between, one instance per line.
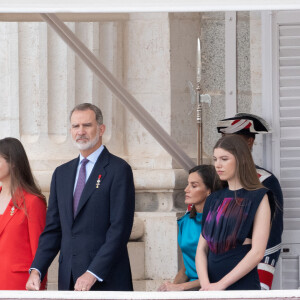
x=220, y=265
x=96, y=239
x=228, y=218
x=274, y=242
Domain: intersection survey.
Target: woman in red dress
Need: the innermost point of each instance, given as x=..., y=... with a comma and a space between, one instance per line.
x=22, y=215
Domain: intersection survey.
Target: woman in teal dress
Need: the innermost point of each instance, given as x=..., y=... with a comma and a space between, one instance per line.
x=202, y=181
x=236, y=222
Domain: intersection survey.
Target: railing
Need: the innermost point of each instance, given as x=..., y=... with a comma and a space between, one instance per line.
x=274, y=294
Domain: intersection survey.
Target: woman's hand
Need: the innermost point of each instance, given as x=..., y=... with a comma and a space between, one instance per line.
x=169, y=286
x=217, y=286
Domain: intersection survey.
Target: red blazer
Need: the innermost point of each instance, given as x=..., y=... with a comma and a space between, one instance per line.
x=19, y=235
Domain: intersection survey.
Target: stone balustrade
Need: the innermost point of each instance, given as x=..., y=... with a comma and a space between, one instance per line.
x=64, y=295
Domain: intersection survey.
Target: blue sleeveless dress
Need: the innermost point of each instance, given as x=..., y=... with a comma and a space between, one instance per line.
x=189, y=230
x=228, y=218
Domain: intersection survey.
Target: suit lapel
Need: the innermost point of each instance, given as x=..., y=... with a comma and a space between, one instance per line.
x=90, y=186
x=8, y=215
x=69, y=181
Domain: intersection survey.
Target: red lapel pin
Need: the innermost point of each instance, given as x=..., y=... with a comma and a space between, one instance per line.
x=98, y=181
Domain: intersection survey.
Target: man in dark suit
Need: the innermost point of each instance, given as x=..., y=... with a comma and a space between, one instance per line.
x=90, y=214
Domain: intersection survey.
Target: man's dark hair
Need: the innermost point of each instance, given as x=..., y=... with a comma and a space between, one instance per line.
x=87, y=106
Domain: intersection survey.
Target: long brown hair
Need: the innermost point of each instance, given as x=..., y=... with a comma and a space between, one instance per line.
x=21, y=176
x=245, y=167
x=210, y=179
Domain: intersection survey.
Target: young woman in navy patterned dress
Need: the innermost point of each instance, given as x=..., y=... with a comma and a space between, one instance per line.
x=236, y=222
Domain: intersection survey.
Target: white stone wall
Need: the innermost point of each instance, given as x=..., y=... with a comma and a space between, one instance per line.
x=153, y=55
x=248, y=72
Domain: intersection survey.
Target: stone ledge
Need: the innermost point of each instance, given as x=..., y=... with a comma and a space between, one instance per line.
x=275, y=294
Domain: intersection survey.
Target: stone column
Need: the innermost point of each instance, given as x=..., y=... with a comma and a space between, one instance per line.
x=9, y=83
x=159, y=58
